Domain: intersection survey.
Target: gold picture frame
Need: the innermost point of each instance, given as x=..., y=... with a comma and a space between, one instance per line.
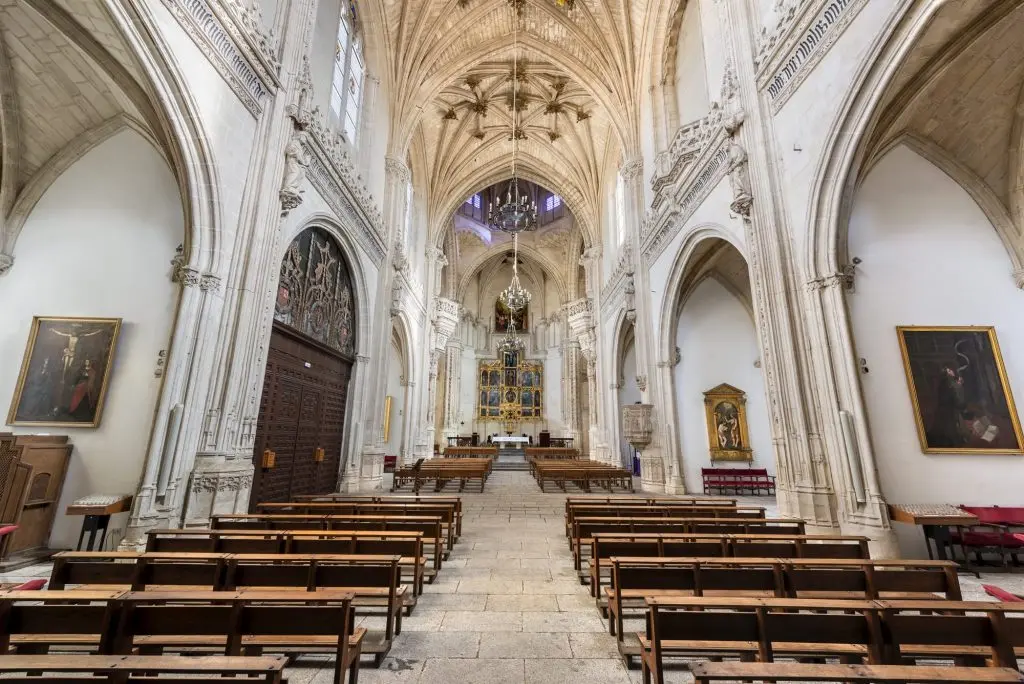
x=959, y=390
x=725, y=410
x=65, y=372
x=387, y=419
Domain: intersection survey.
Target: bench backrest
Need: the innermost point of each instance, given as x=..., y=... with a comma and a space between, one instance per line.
x=21, y=619
x=137, y=575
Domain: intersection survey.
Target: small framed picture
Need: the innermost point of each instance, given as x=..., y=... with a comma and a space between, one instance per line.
x=65, y=372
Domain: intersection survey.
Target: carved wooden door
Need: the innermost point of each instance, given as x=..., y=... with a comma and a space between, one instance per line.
x=302, y=410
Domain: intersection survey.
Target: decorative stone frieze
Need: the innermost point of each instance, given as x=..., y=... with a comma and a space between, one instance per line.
x=445, y=320
x=844, y=278
x=686, y=146
x=624, y=266
x=331, y=172
x=806, y=30
x=231, y=34
x=631, y=169
x=638, y=425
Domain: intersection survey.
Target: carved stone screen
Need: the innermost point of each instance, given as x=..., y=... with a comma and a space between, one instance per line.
x=314, y=294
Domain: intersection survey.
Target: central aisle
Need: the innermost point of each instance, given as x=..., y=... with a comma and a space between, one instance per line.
x=507, y=607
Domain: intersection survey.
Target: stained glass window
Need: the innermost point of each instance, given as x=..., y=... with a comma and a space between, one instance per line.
x=349, y=70
x=314, y=294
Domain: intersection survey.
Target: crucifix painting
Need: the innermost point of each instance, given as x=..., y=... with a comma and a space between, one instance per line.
x=65, y=372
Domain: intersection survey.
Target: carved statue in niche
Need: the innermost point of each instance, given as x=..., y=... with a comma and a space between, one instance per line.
x=295, y=164
x=739, y=180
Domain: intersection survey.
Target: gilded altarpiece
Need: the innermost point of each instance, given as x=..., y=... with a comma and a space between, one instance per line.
x=726, y=412
x=510, y=390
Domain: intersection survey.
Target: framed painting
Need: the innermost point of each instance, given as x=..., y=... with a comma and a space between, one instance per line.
x=959, y=390
x=725, y=410
x=65, y=371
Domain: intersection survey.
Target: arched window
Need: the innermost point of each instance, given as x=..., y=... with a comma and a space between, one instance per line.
x=349, y=72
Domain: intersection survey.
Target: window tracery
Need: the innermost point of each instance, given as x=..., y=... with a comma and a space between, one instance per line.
x=314, y=293
x=349, y=73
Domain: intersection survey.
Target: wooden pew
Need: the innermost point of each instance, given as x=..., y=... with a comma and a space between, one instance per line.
x=875, y=632
x=652, y=545
x=446, y=511
x=232, y=623
x=583, y=474
x=709, y=673
x=636, y=579
x=129, y=669
x=659, y=511
x=454, y=501
x=431, y=527
x=584, y=529
x=622, y=500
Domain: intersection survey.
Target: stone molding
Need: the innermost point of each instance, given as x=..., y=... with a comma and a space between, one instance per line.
x=332, y=173
x=6, y=262
x=618, y=275
x=685, y=147
x=1018, y=275
x=807, y=29
x=843, y=278
x=397, y=168
x=631, y=169
x=667, y=216
x=231, y=35
x=445, y=322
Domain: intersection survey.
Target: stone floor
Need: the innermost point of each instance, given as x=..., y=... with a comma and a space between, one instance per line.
x=507, y=608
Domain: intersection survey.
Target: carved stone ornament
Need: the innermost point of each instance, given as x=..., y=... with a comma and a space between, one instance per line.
x=630, y=298
x=638, y=424
x=300, y=111
x=641, y=382
x=397, y=296
x=295, y=164
x=739, y=180
x=6, y=262
x=631, y=169
x=1018, y=276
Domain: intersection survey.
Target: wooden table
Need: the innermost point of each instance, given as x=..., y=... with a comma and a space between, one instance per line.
x=935, y=521
x=97, y=518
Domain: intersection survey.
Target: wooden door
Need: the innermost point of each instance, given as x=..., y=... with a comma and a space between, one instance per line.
x=305, y=390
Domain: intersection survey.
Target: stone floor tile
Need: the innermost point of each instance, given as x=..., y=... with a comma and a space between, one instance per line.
x=423, y=645
x=553, y=587
x=473, y=671
x=521, y=645
x=475, y=586
x=482, y=621
x=577, y=603
x=593, y=645
x=521, y=602
x=576, y=670
x=463, y=602
x=562, y=622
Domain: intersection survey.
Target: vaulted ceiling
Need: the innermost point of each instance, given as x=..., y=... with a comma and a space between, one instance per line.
x=451, y=83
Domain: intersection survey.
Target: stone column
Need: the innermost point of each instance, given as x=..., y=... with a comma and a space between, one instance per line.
x=570, y=391
x=804, y=470
x=369, y=467
x=453, y=385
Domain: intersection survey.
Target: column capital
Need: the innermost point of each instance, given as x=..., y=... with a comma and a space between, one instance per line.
x=631, y=168
x=397, y=168
x=1018, y=275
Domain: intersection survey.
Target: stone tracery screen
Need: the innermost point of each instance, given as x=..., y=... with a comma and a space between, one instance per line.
x=314, y=293
x=510, y=389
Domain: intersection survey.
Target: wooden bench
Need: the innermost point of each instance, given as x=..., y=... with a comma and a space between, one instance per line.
x=582, y=474
x=430, y=526
x=737, y=480
x=450, y=514
x=453, y=501
x=635, y=579
x=708, y=673
x=232, y=623
x=660, y=511
x=854, y=631
x=479, y=451
x=584, y=529
x=648, y=544
x=441, y=472
x=372, y=580
x=129, y=669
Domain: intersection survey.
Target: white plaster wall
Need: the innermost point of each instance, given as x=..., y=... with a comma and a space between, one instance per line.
x=718, y=342
x=691, y=70
x=99, y=243
x=930, y=257
x=397, y=393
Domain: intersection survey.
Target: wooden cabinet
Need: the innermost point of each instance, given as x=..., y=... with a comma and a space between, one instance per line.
x=32, y=489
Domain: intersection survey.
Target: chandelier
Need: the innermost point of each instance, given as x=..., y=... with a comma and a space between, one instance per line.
x=517, y=213
x=515, y=296
x=510, y=343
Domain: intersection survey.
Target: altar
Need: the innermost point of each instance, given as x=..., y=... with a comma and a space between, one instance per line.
x=512, y=441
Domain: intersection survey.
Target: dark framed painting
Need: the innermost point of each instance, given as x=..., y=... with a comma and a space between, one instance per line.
x=503, y=315
x=64, y=374
x=959, y=389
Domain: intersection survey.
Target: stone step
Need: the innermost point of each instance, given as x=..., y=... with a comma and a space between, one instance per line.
x=511, y=465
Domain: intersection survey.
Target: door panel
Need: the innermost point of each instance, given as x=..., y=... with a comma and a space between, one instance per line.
x=302, y=408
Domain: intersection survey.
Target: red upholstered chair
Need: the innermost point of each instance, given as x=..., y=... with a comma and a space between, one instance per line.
x=996, y=532
x=31, y=585
x=5, y=538
x=1001, y=594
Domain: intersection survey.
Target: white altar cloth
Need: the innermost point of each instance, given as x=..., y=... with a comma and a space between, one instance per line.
x=510, y=440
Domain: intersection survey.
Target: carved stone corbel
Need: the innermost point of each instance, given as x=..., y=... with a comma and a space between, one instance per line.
x=1018, y=275
x=6, y=262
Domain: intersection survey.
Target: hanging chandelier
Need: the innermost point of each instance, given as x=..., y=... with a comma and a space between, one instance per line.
x=510, y=343
x=515, y=296
x=517, y=213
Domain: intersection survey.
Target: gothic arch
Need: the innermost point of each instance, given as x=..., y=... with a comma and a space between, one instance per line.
x=496, y=253
x=348, y=249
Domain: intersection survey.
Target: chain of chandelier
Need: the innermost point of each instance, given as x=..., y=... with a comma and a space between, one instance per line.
x=517, y=213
